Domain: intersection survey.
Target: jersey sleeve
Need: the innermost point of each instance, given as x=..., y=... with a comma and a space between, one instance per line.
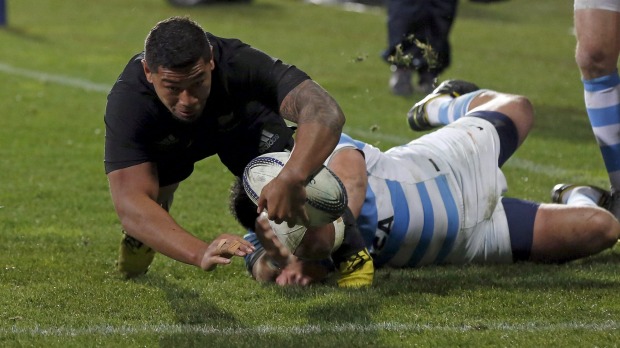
x=130, y=119
x=346, y=142
x=250, y=259
x=125, y=143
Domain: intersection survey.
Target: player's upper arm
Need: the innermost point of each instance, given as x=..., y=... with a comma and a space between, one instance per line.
x=132, y=182
x=350, y=166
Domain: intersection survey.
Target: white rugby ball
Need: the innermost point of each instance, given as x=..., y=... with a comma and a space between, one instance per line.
x=326, y=197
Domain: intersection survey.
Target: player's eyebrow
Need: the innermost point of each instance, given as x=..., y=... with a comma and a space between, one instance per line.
x=199, y=76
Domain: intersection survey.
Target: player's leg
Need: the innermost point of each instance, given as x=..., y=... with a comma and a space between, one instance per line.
x=567, y=232
x=441, y=17
x=597, y=27
x=403, y=17
x=453, y=99
x=511, y=115
x=516, y=108
x=558, y=233
x=588, y=195
x=448, y=102
x=134, y=256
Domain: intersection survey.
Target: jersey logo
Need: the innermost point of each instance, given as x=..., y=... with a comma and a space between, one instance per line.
x=434, y=164
x=267, y=139
x=169, y=140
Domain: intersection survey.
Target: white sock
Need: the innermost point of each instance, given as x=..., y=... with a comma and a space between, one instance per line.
x=602, y=98
x=444, y=109
x=432, y=109
x=583, y=196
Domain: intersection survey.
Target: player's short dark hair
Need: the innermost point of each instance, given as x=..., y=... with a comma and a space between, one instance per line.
x=241, y=206
x=176, y=42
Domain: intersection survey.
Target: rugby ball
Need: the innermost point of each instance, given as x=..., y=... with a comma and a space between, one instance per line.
x=326, y=197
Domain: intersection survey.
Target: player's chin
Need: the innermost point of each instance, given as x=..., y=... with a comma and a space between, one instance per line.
x=186, y=117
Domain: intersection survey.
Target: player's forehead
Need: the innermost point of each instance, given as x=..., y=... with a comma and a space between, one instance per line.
x=196, y=71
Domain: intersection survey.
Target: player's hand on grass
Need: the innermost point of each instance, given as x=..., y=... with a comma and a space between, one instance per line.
x=293, y=274
x=284, y=199
x=222, y=249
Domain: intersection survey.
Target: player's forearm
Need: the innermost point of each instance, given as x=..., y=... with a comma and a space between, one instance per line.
x=319, y=119
x=350, y=166
x=270, y=243
x=153, y=226
x=310, y=103
x=313, y=144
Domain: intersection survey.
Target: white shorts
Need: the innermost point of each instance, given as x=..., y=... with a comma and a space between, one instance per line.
x=609, y=5
x=470, y=147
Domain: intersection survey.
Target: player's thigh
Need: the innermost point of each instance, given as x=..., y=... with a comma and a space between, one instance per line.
x=564, y=232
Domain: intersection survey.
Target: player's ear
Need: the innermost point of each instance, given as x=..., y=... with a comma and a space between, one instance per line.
x=147, y=71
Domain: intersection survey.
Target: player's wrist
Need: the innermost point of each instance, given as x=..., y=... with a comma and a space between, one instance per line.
x=294, y=175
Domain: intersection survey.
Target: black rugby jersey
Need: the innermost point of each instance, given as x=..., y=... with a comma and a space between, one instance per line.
x=240, y=120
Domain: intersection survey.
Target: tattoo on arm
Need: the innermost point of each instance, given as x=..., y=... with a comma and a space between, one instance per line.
x=308, y=102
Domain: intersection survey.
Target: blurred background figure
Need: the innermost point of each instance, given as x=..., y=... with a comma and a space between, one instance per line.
x=418, y=42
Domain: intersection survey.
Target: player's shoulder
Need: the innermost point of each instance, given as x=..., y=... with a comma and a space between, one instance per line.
x=132, y=78
x=227, y=41
x=347, y=141
x=225, y=48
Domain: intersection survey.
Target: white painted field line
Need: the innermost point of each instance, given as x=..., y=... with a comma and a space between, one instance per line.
x=57, y=79
x=171, y=329
x=535, y=168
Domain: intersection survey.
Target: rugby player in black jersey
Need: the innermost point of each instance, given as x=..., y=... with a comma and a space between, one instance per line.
x=190, y=95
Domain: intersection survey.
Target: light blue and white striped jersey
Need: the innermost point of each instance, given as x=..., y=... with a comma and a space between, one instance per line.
x=410, y=216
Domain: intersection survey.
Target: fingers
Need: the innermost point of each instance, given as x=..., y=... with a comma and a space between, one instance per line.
x=209, y=262
x=287, y=278
x=222, y=249
x=233, y=247
x=262, y=204
x=262, y=223
x=226, y=246
x=301, y=219
x=284, y=201
x=294, y=217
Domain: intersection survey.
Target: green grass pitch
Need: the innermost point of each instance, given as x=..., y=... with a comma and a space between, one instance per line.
x=59, y=234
